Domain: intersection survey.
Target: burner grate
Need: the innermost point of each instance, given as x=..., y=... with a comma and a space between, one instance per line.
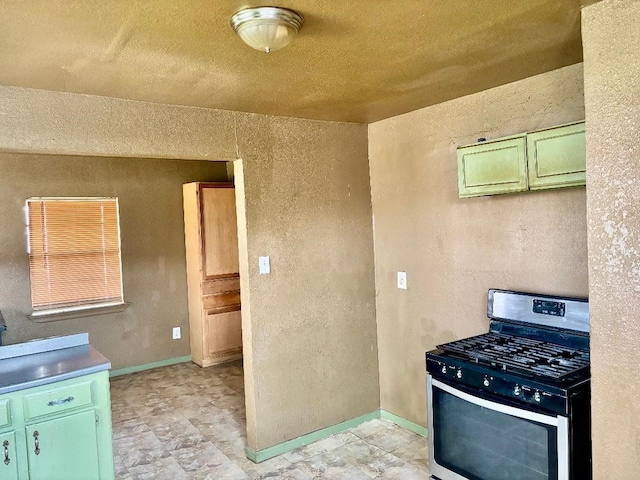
x=530, y=356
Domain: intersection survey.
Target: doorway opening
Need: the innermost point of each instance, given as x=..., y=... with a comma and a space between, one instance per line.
x=217, y=270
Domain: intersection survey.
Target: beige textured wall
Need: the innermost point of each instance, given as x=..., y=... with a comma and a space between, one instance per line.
x=40, y=121
x=611, y=35
x=312, y=331
x=313, y=334
x=152, y=237
x=454, y=249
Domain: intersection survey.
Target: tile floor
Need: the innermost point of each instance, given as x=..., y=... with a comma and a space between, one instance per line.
x=185, y=422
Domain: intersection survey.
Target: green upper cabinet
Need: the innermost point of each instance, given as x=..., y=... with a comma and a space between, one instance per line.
x=557, y=157
x=489, y=168
x=550, y=158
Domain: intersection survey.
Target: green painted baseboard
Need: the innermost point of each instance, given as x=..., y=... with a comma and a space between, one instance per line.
x=149, y=366
x=258, y=456
x=401, y=422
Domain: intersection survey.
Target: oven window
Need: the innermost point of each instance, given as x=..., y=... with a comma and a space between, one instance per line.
x=483, y=444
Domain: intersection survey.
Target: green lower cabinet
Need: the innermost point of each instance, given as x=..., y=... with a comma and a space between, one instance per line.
x=8, y=458
x=64, y=449
x=58, y=431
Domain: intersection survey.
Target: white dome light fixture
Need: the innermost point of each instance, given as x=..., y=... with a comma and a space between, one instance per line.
x=266, y=28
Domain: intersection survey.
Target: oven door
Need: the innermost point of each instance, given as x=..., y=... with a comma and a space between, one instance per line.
x=472, y=438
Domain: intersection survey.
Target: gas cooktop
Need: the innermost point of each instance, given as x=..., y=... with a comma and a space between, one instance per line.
x=536, y=351
x=522, y=355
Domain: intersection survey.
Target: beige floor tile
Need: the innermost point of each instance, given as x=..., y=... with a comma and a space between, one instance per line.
x=142, y=449
x=384, y=434
x=120, y=467
x=128, y=428
x=186, y=422
x=162, y=469
x=291, y=473
x=336, y=463
x=404, y=472
x=204, y=460
x=415, y=453
x=369, y=458
x=153, y=421
x=321, y=446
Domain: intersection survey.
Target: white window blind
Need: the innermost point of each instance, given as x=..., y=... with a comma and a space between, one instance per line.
x=74, y=253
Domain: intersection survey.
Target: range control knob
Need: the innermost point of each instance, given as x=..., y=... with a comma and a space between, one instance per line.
x=444, y=369
x=517, y=391
x=485, y=382
x=537, y=397
x=459, y=374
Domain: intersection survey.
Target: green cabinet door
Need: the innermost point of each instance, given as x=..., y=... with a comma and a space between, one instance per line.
x=494, y=167
x=8, y=458
x=64, y=449
x=557, y=157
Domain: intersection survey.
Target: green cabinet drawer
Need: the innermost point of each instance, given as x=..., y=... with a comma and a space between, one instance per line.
x=5, y=414
x=8, y=458
x=490, y=168
x=58, y=400
x=557, y=157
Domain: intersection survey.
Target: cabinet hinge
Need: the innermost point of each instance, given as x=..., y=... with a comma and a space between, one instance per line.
x=97, y=420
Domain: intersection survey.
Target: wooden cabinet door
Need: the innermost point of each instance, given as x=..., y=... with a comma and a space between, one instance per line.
x=493, y=167
x=557, y=157
x=211, y=241
x=8, y=459
x=219, y=231
x=224, y=334
x=64, y=449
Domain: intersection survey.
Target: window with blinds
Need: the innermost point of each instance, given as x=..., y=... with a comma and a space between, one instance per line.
x=74, y=253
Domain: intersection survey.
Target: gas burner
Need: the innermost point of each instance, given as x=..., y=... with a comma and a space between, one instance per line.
x=520, y=354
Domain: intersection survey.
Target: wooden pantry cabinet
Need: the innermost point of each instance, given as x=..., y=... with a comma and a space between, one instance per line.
x=213, y=281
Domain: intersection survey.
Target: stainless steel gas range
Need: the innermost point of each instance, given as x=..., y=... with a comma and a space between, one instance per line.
x=514, y=403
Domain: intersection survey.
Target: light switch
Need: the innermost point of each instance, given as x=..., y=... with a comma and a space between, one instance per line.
x=402, y=280
x=263, y=263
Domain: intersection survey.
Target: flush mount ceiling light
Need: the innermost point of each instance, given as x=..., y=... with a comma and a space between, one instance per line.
x=266, y=28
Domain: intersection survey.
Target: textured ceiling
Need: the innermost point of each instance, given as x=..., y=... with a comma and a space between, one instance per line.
x=357, y=61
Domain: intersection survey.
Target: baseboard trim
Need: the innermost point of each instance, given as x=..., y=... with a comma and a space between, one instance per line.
x=258, y=456
x=149, y=366
x=404, y=423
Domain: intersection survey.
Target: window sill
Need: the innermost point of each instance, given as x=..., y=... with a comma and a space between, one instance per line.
x=79, y=312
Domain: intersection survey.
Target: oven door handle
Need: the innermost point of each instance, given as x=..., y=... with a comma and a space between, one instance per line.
x=498, y=407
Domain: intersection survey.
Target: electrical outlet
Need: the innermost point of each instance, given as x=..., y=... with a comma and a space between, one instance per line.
x=402, y=280
x=176, y=333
